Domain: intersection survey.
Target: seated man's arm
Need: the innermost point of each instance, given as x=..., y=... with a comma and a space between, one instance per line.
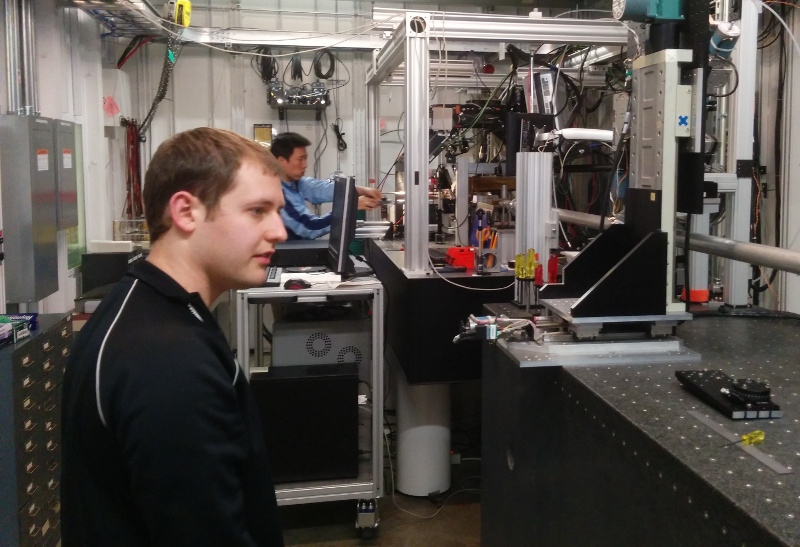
x=304, y=224
x=316, y=191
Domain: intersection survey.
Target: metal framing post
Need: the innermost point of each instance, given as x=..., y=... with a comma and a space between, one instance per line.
x=417, y=57
x=372, y=148
x=536, y=226
x=462, y=198
x=735, y=274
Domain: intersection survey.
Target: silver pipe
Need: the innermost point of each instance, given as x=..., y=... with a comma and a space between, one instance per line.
x=11, y=12
x=596, y=55
x=30, y=100
x=751, y=253
x=581, y=219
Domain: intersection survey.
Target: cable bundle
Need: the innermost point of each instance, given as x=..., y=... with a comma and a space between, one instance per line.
x=134, y=205
x=317, y=64
x=265, y=65
x=297, y=67
x=341, y=145
x=133, y=46
x=174, y=46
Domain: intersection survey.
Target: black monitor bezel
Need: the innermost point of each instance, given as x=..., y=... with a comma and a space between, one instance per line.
x=343, y=225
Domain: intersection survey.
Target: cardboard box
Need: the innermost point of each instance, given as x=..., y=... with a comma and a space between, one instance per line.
x=31, y=318
x=13, y=332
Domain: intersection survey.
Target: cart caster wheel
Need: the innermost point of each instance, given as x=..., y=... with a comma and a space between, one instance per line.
x=367, y=518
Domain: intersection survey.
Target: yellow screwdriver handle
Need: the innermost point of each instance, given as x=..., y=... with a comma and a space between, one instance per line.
x=754, y=437
x=530, y=263
x=519, y=266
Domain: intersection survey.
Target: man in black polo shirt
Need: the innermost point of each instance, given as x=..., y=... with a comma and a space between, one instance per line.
x=162, y=443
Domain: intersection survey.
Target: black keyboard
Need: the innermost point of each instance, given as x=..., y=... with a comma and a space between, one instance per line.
x=438, y=256
x=273, y=276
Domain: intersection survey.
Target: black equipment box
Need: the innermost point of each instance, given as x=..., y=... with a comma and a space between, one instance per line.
x=98, y=269
x=310, y=418
x=301, y=252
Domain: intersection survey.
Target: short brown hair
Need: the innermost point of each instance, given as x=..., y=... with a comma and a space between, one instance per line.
x=203, y=162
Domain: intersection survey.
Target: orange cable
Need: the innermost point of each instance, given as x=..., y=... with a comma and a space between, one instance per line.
x=768, y=285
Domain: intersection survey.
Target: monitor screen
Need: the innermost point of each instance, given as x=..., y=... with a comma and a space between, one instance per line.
x=343, y=225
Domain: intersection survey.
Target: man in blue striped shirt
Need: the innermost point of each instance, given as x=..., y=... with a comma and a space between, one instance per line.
x=300, y=222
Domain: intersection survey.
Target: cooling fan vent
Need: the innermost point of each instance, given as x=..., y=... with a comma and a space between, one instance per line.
x=350, y=354
x=318, y=344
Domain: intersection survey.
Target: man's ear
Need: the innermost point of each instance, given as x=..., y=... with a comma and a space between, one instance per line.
x=186, y=211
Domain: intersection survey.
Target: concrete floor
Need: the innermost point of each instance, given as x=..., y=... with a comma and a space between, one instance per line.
x=456, y=525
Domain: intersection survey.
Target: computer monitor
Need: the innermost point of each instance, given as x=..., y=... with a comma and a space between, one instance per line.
x=343, y=225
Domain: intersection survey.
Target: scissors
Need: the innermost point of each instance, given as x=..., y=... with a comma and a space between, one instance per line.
x=482, y=230
x=482, y=235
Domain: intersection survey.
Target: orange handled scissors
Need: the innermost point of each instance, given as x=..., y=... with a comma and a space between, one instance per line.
x=482, y=235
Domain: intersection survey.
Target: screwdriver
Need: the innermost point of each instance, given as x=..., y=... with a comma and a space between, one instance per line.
x=754, y=437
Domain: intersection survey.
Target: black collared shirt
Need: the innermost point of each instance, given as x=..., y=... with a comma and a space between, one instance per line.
x=162, y=443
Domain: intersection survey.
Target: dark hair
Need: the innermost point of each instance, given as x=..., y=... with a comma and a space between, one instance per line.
x=284, y=144
x=203, y=162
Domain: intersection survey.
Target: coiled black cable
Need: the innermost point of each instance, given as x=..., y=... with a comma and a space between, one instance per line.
x=317, y=63
x=340, y=144
x=265, y=65
x=297, y=67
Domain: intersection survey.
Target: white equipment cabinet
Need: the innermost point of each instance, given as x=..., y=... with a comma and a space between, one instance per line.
x=368, y=485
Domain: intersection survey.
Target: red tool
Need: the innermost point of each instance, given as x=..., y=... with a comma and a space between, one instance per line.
x=552, y=268
x=461, y=256
x=539, y=277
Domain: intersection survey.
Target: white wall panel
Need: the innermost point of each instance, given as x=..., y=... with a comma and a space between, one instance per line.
x=69, y=82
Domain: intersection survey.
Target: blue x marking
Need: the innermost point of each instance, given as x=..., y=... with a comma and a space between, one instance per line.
x=683, y=120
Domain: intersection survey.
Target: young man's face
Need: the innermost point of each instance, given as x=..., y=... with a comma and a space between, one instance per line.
x=295, y=166
x=237, y=240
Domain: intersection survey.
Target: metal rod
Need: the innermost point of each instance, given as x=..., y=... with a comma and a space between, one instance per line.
x=751, y=253
x=581, y=219
x=11, y=12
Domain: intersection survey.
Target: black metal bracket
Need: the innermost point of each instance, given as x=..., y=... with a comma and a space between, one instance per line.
x=744, y=168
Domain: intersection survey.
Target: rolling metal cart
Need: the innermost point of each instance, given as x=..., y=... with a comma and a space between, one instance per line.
x=367, y=486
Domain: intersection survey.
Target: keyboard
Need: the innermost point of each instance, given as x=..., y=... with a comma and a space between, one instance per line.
x=438, y=256
x=273, y=276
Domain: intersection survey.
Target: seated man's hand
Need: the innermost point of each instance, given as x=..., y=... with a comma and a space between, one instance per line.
x=368, y=198
x=367, y=202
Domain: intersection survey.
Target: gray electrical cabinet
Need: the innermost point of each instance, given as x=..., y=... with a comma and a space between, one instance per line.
x=28, y=183
x=66, y=156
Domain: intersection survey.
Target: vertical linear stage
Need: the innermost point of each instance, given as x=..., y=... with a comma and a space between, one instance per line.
x=417, y=58
x=536, y=226
x=658, y=101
